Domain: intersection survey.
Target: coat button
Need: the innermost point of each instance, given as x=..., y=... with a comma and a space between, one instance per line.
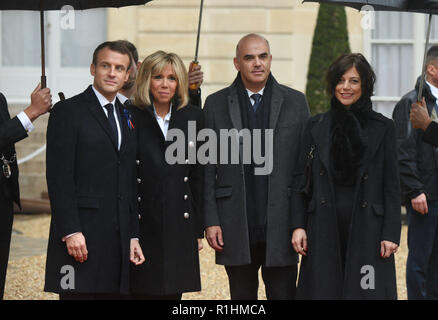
x=137, y=162
x=139, y=216
x=186, y=197
x=139, y=199
x=323, y=200
x=364, y=204
x=365, y=176
x=321, y=173
x=186, y=215
x=138, y=180
x=186, y=179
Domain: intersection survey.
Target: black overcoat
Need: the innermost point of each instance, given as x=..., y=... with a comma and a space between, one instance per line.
x=224, y=183
x=11, y=131
x=91, y=188
x=376, y=216
x=170, y=199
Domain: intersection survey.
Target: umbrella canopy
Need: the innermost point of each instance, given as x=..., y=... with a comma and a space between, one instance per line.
x=419, y=6
x=43, y=5
x=381, y=5
x=58, y=4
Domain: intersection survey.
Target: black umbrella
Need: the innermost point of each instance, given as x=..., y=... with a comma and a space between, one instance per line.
x=43, y=5
x=420, y=6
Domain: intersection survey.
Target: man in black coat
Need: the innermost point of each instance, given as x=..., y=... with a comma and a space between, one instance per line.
x=248, y=214
x=12, y=131
x=91, y=173
x=418, y=164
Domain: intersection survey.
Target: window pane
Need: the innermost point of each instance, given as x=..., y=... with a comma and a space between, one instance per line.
x=384, y=107
x=21, y=38
x=77, y=45
x=393, y=65
x=393, y=25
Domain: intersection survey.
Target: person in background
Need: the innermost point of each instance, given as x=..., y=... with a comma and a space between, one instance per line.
x=12, y=131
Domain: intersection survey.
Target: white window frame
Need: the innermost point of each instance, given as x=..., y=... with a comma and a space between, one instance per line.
x=18, y=82
x=418, y=42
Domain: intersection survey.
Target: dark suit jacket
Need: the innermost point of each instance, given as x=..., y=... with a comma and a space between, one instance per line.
x=11, y=131
x=224, y=184
x=431, y=134
x=170, y=207
x=91, y=188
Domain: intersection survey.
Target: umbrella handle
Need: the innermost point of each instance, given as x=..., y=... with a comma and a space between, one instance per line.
x=193, y=64
x=423, y=70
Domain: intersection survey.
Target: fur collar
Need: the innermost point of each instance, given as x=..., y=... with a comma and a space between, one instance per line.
x=348, y=141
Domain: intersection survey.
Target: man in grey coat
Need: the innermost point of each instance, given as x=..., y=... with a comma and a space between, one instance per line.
x=247, y=203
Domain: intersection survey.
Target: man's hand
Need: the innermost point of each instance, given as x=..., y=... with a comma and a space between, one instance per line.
x=41, y=102
x=387, y=248
x=214, y=238
x=76, y=247
x=419, y=115
x=136, y=256
x=196, y=76
x=299, y=241
x=419, y=204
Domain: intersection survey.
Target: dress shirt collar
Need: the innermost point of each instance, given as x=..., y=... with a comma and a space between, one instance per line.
x=433, y=89
x=166, y=117
x=102, y=100
x=122, y=98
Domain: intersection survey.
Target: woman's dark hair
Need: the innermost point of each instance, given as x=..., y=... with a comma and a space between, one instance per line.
x=344, y=63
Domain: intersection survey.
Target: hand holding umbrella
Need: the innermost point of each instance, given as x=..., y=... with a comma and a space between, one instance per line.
x=195, y=75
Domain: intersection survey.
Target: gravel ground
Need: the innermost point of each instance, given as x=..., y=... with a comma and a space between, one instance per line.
x=25, y=277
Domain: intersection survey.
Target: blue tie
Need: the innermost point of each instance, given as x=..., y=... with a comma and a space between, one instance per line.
x=257, y=99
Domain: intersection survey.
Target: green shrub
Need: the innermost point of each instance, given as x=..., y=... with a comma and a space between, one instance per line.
x=330, y=40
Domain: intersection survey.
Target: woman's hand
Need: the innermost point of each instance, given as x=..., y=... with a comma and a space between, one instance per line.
x=299, y=241
x=387, y=248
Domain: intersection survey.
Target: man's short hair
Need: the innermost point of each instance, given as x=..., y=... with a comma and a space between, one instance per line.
x=131, y=49
x=114, y=46
x=432, y=55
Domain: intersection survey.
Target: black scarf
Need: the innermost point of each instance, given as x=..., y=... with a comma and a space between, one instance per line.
x=256, y=185
x=348, y=140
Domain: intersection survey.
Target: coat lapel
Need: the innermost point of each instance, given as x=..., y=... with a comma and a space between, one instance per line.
x=321, y=135
x=375, y=132
x=234, y=108
x=98, y=113
x=276, y=102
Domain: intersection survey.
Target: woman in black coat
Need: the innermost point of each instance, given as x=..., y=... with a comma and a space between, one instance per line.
x=346, y=216
x=169, y=181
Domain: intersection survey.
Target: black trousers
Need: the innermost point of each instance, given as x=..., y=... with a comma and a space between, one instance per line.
x=6, y=219
x=280, y=282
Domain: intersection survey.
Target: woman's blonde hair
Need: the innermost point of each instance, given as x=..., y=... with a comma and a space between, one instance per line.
x=154, y=64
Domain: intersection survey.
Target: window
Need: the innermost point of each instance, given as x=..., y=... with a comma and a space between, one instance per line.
x=395, y=48
x=68, y=51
